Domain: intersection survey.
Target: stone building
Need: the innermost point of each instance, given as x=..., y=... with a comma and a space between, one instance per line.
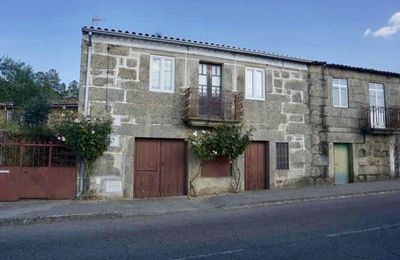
x=160, y=89
x=361, y=119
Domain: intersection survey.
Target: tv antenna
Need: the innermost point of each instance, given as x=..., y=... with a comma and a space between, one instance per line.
x=96, y=20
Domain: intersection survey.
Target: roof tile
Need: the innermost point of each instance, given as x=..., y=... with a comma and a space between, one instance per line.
x=233, y=48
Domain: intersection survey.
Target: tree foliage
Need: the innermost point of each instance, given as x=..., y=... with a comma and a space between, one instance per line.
x=31, y=93
x=72, y=90
x=50, y=82
x=16, y=81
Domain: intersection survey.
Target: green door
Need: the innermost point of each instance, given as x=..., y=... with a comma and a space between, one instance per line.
x=342, y=163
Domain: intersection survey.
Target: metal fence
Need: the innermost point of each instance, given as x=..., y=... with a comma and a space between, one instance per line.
x=381, y=118
x=36, y=155
x=213, y=104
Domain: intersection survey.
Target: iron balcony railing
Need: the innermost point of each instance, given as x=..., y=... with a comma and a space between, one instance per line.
x=381, y=118
x=213, y=105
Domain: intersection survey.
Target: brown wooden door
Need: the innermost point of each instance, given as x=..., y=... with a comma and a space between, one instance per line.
x=256, y=173
x=159, y=168
x=173, y=162
x=210, y=96
x=147, y=168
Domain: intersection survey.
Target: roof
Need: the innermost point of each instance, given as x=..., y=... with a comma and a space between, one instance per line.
x=216, y=46
x=347, y=67
x=194, y=43
x=57, y=104
x=65, y=103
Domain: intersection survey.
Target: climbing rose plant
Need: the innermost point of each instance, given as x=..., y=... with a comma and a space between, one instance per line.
x=89, y=137
x=228, y=141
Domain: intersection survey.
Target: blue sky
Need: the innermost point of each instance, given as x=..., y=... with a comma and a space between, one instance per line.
x=46, y=34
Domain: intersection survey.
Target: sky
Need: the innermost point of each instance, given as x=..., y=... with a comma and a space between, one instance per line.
x=365, y=33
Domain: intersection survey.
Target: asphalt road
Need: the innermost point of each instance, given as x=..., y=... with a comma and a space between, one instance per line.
x=352, y=228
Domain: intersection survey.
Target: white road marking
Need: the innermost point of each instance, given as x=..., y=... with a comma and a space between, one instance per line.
x=363, y=230
x=228, y=252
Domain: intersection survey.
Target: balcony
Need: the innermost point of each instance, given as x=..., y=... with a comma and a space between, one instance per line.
x=381, y=120
x=212, y=107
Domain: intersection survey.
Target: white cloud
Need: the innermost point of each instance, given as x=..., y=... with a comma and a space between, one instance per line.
x=391, y=28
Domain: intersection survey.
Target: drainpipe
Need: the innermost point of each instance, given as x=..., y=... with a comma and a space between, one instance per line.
x=81, y=170
x=85, y=110
x=89, y=52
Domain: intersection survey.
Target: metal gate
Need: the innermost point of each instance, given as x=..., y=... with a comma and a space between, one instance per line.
x=342, y=163
x=256, y=170
x=160, y=168
x=36, y=171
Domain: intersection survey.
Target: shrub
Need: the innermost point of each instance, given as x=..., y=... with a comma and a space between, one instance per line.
x=89, y=137
x=227, y=140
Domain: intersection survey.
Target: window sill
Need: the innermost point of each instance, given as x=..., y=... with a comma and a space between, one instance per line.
x=255, y=99
x=161, y=91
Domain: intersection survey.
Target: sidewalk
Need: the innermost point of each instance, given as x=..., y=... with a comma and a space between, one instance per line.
x=42, y=211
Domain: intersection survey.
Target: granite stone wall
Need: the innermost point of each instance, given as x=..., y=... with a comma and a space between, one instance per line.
x=372, y=155
x=119, y=85
x=297, y=109
x=282, y=117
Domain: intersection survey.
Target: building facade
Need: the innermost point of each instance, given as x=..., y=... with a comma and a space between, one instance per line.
x=354, y=112
x=314, y=122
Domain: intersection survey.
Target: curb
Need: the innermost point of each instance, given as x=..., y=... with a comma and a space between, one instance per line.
x=58, y=218
x=117, y=215
x=309, y=199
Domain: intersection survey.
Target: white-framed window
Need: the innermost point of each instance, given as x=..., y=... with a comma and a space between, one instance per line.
x=378, y=115
x=377, y=95
x=255, y=83
x=340, y=93
x=162, y=74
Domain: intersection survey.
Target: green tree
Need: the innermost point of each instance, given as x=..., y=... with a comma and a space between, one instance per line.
x=36, y=110
x=73, y=90
x=16, y=81
x=30, y=94
x=18, y=86
x=50, y=82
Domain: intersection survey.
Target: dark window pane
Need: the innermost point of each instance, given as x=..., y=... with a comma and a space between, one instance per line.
x=282, y=156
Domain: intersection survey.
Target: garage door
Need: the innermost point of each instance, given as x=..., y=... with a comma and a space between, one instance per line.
x=160, y=168
x=256, y=174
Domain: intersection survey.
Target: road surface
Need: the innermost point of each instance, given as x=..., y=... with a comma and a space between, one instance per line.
x=351, y=228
